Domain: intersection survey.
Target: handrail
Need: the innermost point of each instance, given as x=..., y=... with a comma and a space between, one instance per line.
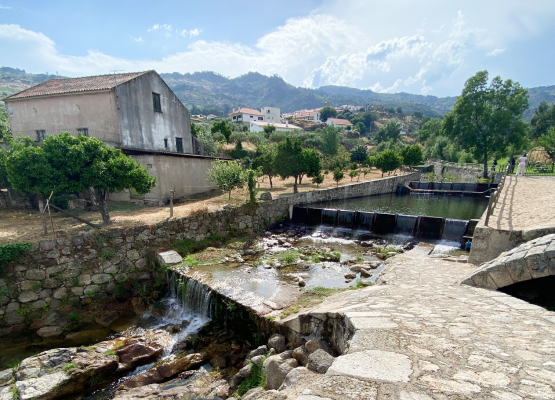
x=495, y=196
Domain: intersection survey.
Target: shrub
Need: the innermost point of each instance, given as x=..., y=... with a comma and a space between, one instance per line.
x=60, y=202
x=10, y=252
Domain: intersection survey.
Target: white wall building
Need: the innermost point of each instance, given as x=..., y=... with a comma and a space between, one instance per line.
x=309, y=115
x=271, y=114
x=246, y=115
x=258, y=126
x=338, y=122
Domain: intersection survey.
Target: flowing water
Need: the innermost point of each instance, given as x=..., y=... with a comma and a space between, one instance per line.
x=456, y=207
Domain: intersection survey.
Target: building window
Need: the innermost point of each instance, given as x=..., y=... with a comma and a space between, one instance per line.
x=41, y=134
x=260, y=118
x=156, y=102
x=268, y=111
x=234, y=117
x=179, y=144
x=166, y=143
x=83, y=131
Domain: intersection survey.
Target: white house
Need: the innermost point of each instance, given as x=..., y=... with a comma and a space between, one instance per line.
x=246, y=115
x=258, y=126
x=271, y=114
x=309, y=115
x=338, y=122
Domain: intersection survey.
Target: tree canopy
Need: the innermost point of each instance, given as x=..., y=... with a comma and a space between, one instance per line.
x=266, y=160
x=390, y=132
x=547, y=141
x=358, y=153
x=429, y=129
x=223, y=128
x=292, y=160
x=227, y=175
x=5, y=129
x=330, y=140
x=486, y=118
x=327, y=112
x=67, y=164
x=388, y=161
x=412, y=155
x=542, y=120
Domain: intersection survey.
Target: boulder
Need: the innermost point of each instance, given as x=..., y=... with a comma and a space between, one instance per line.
x=170, y=257
x=277, y=342
x=350, y=275
x=6, y=376
x=49, y=331
x=296, y=375
x=77, y=204
x=265, y=196
x=301, y=355
x=259, y=351
x=313, y=345
x=320, y=361
x=365, y=273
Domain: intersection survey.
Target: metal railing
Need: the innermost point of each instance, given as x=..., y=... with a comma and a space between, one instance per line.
x=456, y=164
x=495, y=195
x=533, y=168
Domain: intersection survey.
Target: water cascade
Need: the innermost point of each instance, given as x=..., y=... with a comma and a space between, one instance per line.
x=406, y=224
x=329, y=217
x=187, y=297
x=364, y=221
x=454, y=229
x=345, y=219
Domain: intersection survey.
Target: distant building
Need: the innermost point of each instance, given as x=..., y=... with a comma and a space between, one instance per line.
x=246, y=115
x=338, y=122
x=136, y=112
x=258, y=126
x=309, y=115
x=271, y=114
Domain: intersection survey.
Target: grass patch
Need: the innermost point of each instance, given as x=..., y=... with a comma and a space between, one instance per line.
x=190, y=261
x=189, y=246
x=385, y=250
x=69, y=366
x=110, y=352
x=257, y=379
x=74, y=318
x=288, y=256
x=315, y=258
x=309, y=298
x=125, y=207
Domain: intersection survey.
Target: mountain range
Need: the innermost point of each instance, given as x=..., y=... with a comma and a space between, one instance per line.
x=210, y=90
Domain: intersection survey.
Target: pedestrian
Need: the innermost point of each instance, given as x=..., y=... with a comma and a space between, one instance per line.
x=512, y=164
x=522, y=161
x=494, y=164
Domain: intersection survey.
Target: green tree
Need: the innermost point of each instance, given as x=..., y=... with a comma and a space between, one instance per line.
x=358, y=153
x=337, y=176
x=268, y=130
x=353, y=174
x=412, y=155
x=399, y=110
x=266, y=160
x=547, y=141
x=486, y=118
x=330, y=140
x=227, y=175
x=388, y=161
x=5, y=129
x=542, y=120
x=312, y=162
x=390, y=132
x=431, y=128
x=67, y=164
x=222, y=127
x=318, y=179
x=207, y=141
x=251, y=184
x=327, y=112
x=291, y=160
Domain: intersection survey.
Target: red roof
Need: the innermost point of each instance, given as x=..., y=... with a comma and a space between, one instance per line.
x=246, y=111
x=75, y=85
x=339, y=121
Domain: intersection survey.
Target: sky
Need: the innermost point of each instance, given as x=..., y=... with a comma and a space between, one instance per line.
x=428, y=47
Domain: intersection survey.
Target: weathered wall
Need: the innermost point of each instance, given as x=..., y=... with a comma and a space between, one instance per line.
x=141, y=126
x=461, y=174
x=95, y=111
x=91, y=266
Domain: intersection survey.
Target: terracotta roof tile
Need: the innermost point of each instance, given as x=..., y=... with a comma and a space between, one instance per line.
x=340, y=121
x=246, y=111
x=73, y=85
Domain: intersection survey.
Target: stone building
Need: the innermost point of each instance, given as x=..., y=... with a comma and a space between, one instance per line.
x=136, y=112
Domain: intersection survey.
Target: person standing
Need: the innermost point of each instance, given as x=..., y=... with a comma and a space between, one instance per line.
x=494, y=164
x=522, y=161
x=512, y=163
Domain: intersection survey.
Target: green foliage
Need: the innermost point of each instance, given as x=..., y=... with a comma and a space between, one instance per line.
x=488, y=118
x=256, y=379
x=337, y=175
x=390, y=132
x=69, y=366
x=318, y=179
x=251, y=184
x=429, y=129
x=239, y=153
x=293, y=160
x=288, y=256
x=268, y=130
x=5, y=129
x=15, y=392
x=330, y=140
x=358, y=153
x=207, y=141
x=388, y=161
x=227, y=175
x=547, y=141
x=353, y=174
x=60, y=202
x=412, y=155
x=74, y=318
x=322, y=291
x=327, y=112
x=340, y=160
x=10, y=252
x=189, y=246
x=266, y=160
x=106, y=255
x=366, y=171
x=542, y=120
x=223, y=128
x=110, y=352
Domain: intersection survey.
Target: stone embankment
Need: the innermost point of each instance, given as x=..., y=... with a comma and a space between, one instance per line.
x=38, y=289
x=531, y=260
x=460, y=173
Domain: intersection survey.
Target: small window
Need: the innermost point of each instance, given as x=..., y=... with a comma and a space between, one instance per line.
x=166, y=143
x=83, y=131
x=156, y=102
x=268, y=111
x=179, y=144
x=260, y=118
x=41, y=134
x=234, y=117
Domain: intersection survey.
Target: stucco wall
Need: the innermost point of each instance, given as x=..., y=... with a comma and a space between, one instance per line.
x=144, y=128
x=95, y=111
x=187, y=175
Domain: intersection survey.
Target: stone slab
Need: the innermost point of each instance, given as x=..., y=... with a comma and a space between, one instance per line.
x=170, y=257
x=373, y=365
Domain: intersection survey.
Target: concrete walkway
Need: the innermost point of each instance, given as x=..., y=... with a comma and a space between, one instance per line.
x=424, y=336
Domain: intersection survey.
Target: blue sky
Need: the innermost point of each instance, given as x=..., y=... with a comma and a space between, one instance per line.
x=415, y=46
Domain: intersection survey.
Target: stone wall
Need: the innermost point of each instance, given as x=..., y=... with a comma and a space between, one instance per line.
x=18, y=201
x=115, y=262
x=462, y=174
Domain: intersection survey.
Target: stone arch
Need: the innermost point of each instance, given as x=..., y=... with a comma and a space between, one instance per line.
x=531, y=260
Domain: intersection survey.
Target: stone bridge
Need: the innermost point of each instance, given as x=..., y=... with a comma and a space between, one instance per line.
x=531, y=260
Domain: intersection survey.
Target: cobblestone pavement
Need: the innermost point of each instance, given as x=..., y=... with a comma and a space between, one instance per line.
x=424, y=336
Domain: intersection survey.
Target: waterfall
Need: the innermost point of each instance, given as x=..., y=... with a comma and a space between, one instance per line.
x=364, y=221
x=345, y=219
x=329, y=216
x=406, y=224
x=187, y=296
x=454, y=229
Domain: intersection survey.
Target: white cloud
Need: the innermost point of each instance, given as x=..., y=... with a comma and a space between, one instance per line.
x=2, y=7
x=195, y=32
x=139, y=39
x=167, y=27
x=154, y=27
x=495, y=52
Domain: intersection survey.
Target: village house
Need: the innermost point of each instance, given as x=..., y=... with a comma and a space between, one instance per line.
x=309, y=115
x=136, y=112
x=338, y=122
x=258, y=126
x=246, y=115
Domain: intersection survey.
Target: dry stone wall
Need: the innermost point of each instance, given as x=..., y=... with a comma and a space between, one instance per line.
x=117, y=262
x=462, y=174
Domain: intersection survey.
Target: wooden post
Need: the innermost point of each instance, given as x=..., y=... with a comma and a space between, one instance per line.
x=50, y=215
x=75, y=216
x=42, y=216
x=171, y=202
